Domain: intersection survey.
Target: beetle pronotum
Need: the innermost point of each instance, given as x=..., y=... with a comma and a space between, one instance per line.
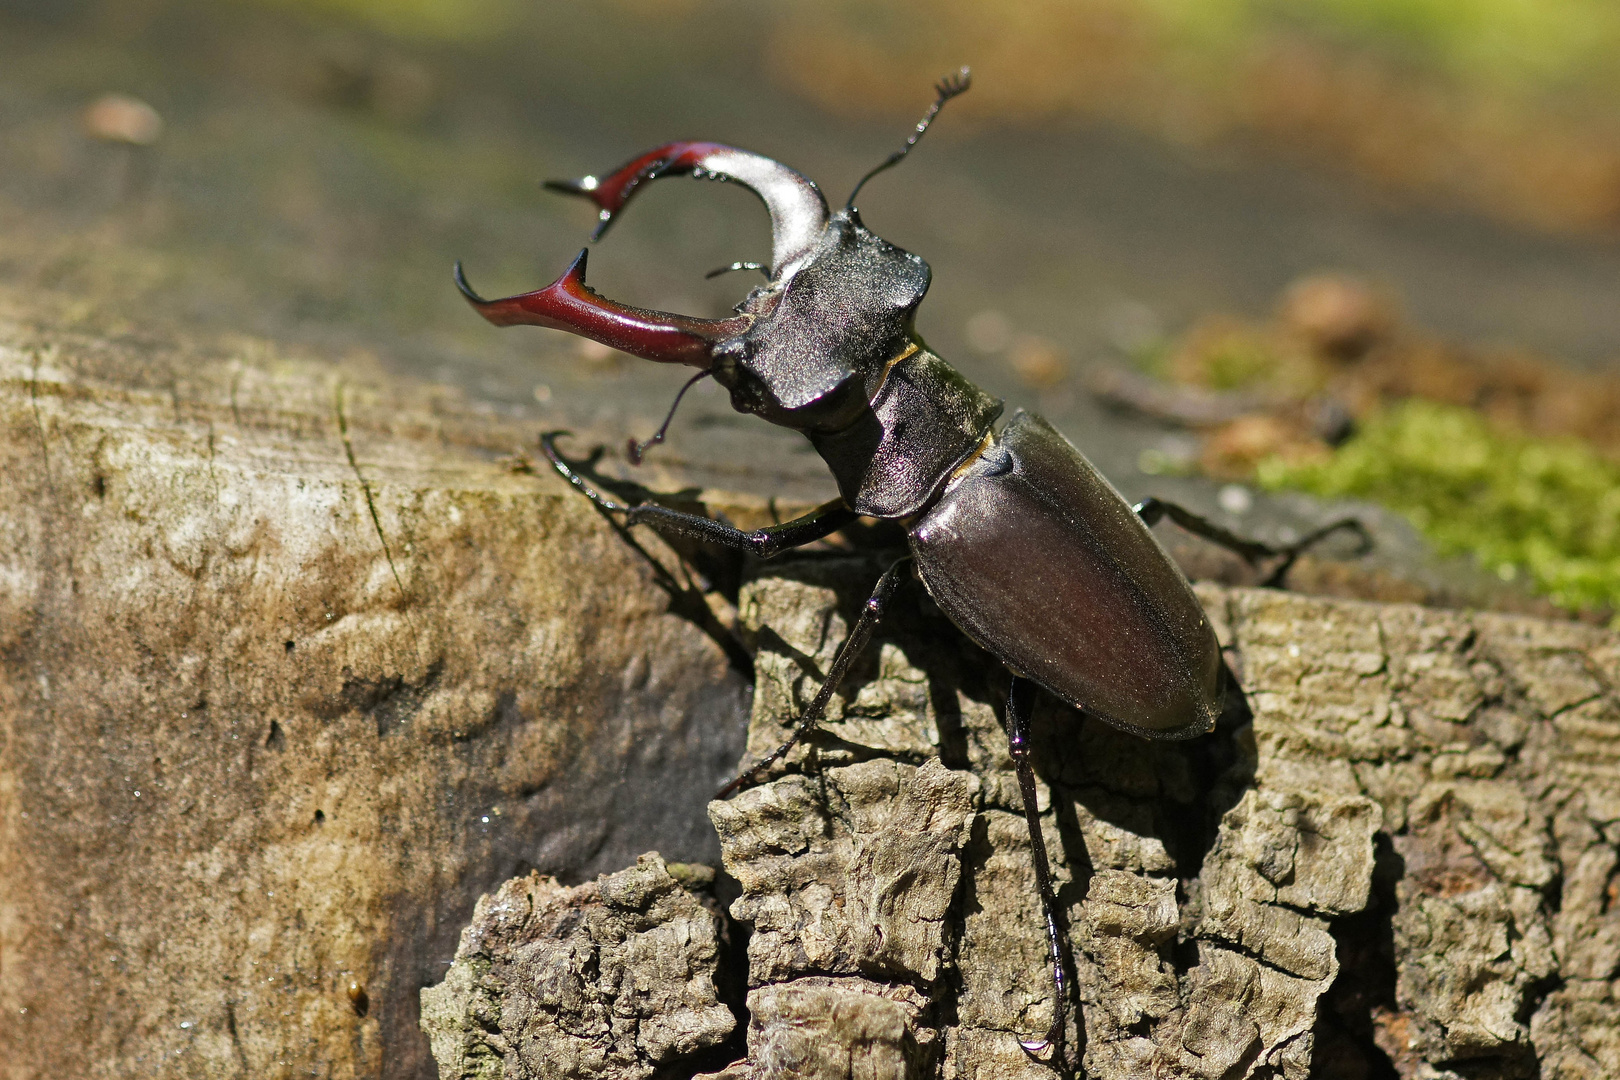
x=1019, y=540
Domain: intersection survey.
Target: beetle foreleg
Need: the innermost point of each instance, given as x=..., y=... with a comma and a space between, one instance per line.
x=871, y=614
x=1020, y=699
x=1152, y=511
x=819, y=523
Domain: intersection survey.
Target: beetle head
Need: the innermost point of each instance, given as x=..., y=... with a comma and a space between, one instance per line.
x=823, y=336
x=806, y=349
x=809, y=348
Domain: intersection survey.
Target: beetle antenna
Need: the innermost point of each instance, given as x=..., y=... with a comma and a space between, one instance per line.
x=761, y=267
x=636, y=451
x=946, y=88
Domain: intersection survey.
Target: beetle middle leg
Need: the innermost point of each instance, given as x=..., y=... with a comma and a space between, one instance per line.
x=1152, y=510
x=871, y=614
x=818, y=524
x=1020, y=703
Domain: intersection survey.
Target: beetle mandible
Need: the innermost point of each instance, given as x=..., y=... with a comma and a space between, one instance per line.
x=1017, y=537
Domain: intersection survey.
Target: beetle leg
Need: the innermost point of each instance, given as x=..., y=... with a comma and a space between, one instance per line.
x=1153, y=510
x=819, y=523
x=871, y=614
x=771, y=540
x=1020, y=700
x=1298, y=547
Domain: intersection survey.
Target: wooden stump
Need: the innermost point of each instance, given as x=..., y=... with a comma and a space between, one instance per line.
x=297, y=661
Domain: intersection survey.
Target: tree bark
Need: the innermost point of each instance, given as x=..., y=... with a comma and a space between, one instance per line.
x=1396, y=855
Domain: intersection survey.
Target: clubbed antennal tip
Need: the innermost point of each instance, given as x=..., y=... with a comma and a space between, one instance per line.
x=948, y=87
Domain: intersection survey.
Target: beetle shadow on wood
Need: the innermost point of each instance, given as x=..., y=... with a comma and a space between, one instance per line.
x=1169, y=792
x=699, y=568
x=1174, y=792
x=922, y=689
x=1121, y=802
x=702, y=570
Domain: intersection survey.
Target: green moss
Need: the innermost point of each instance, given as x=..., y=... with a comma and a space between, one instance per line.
x=1519, y=505
x=1239, y=362
x=1521, y=47
x=433, y=20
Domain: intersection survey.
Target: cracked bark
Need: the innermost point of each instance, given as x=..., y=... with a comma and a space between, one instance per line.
x=619, y=973
x=1396, y=857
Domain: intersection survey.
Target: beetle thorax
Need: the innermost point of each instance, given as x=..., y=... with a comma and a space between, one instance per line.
x=819, y=346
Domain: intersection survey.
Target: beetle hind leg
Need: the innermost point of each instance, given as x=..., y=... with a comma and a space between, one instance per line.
x=1152, y=511
x=871, y=614
x=1020, y=702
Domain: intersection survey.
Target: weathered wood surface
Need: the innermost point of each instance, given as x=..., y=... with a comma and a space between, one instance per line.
x=1397, y=856
x=292, y=669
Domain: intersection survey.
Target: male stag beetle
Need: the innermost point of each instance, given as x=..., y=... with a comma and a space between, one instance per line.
x=1020, y=541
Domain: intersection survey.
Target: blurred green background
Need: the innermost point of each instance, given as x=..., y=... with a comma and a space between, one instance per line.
x=1122, y=171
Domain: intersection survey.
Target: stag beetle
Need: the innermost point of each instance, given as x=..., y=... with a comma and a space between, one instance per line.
x=1016, y=536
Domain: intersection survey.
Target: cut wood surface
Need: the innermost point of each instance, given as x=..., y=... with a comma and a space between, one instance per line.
x=292, y=669
x=297, y=660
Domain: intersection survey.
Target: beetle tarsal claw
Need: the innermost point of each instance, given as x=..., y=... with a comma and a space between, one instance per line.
x=1039, y=1049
